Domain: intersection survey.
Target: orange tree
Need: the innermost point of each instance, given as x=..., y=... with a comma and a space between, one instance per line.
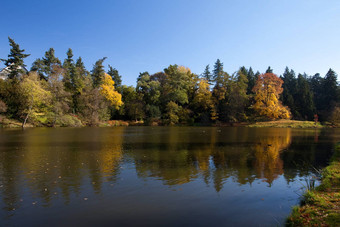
x=268, y=88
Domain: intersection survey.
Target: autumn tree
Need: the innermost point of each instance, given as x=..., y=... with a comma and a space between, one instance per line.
x=108, y=91
x=267, y=89
x=37, y=98
x=202, y=104
x=15, y=60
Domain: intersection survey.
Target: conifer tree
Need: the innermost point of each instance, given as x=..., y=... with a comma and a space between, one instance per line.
x=207, y=74
x=98, y=72
x=15, y=60
x=44, y=66
x=115, y=77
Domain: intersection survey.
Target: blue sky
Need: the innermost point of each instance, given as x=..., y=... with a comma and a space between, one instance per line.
x=149, y=35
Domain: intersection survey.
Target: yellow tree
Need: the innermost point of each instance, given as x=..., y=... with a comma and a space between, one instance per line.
x=36, y=97
x=203, y=101
x=107, y=89
x=268, y=88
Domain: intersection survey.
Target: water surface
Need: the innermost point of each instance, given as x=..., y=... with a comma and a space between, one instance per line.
x=156, y=176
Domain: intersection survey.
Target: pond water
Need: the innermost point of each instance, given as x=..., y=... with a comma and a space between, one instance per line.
x=157, y=176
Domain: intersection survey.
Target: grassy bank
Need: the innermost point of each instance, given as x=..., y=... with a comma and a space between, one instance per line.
x=286, y=124
x=321, y=206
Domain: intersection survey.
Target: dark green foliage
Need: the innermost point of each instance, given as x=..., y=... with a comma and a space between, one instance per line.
x=115, y=77
x=269, y=70
x=251, y=81
x=304, y=99
x=207, y=75
x=15, y=60
x=98, y=72
x=290, y=91
x=45, y=66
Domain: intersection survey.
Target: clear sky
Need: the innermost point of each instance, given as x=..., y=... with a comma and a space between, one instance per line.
x=149, y=35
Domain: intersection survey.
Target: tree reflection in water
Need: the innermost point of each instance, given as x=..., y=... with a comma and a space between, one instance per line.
x=53, y=164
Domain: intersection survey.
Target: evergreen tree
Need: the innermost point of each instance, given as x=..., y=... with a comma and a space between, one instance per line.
x=207, y=74
x=115, y=76
x=269, y=70
x=251, y=81
x=304, y=99
x=69, y=71
x=98, y=72
x=330, y=88
x=218, y=72
x=289, y=91
x=45, y=66
x=15, y=60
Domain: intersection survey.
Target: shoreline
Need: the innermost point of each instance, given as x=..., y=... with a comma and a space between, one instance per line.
x=320, y=206
x=12, y=123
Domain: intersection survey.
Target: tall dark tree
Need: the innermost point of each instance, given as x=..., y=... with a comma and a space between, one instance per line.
x=218, y=72
x=45, y=66
x=304, y=103
x=330, y=88
x=289, y=91
x=115, y=77
x=269, y=70
x=15, y=60
x=207, y=74
x=98, y=72
x=69, y=70
x=251, y=81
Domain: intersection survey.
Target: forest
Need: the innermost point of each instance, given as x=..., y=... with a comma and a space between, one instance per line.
x=64, y=93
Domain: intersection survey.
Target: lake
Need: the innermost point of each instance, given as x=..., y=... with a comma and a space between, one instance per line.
x=157, y=176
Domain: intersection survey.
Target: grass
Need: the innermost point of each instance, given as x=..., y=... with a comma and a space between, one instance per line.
x=286, y=124
x=321, y=206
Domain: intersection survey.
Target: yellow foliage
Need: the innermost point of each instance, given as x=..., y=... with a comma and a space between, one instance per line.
x=267, y=89
x=107, y=89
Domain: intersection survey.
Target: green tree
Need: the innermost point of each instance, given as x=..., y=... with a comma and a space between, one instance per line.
x=150, y=92
x=98, y=72
x=304, y=99
x=115, y=77
x=238, y=98
x=60, y=98
x=15, y=60
x=207, y=75
x=69, y=71
x=290, y=90
x=45, y=66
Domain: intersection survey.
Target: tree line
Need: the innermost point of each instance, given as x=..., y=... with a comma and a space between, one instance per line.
x=65, y=93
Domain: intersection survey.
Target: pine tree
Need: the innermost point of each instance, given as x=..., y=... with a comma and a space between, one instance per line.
x=251, y=80
x=15, y=60
x=289, y=91
x=45, y=66
x=69, y=71
x=98, y=72
x=304, y=99
x=269, y=70
x=115, y=76
x=207, y=74
x=218, y=72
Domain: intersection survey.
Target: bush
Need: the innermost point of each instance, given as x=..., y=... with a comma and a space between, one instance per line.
x=69, y=121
